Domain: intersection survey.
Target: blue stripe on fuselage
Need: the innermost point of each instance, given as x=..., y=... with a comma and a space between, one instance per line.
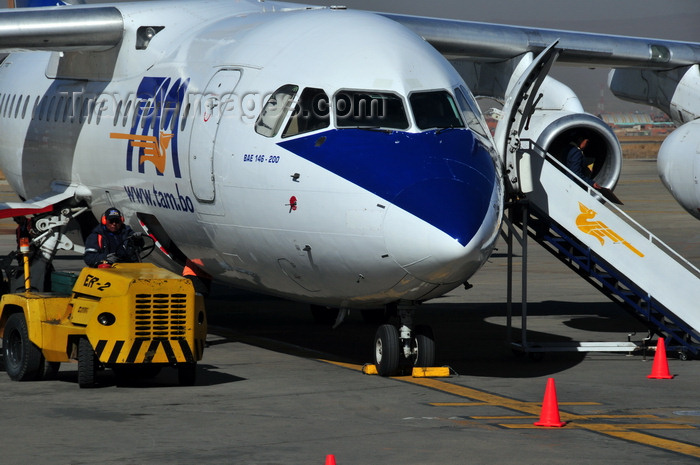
x=445, y=178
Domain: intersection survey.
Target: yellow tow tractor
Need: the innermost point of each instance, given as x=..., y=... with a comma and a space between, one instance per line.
x=132, y=317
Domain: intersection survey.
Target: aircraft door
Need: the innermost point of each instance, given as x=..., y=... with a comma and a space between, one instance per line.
x=519, y=105
x=215, y=102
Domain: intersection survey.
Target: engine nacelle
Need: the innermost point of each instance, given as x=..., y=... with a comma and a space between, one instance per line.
x=679, y=166
x=554, y=131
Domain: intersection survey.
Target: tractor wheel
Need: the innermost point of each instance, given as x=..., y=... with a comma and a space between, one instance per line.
x=23, y=359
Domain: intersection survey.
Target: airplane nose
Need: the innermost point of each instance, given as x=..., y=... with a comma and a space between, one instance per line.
x=443, y=194
x=440, y=234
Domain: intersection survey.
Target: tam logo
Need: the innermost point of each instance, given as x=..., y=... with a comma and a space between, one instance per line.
x=586, y=223
x=158, y=106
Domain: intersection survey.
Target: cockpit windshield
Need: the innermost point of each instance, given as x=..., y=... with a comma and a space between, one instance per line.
x=311, y=113
x=470, y=111
x=366, y=109
x=275, y=110
x=435, y=110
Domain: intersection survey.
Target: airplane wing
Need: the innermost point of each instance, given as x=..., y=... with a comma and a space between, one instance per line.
x=646, y=71
x=497, y=42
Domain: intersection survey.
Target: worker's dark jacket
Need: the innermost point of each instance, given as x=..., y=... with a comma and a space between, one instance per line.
x=576, y=162
x=101, y=242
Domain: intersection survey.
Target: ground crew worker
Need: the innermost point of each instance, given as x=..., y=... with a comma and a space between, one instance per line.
x=112, y=241
x=576, y=162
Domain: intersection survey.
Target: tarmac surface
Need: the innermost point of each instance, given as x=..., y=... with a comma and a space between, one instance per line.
x=276, y=388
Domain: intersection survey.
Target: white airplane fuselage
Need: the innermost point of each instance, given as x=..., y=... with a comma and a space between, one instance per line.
x=341, y=214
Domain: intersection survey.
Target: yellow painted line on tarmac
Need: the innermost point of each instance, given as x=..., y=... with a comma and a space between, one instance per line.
x=567, y=416
x=649, y=440
x=351, y=366
x=457, y=404
x=463, y=391
x=604, y=428
x=469, y=404
x=628, y=432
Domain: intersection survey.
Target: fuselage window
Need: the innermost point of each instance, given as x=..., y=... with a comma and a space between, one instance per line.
x=146, y=111
x=36, y=107
x=59, y=108
x=174, y=118
x=117, y=112
x=470, y=111
x=157, y=115
x=126, y=113
x=86, y=113
x=8, y=108
x=3, y=109
x=435, y=110
x=52, y=108
x=367, y=109
x=43, y=108
x=274, y=111
x=19, y=104
x=311, y=113
x=26, y=105
x=68, y=111
x=101, y=106
x=9, y=105
x=3, y=105
x=167, y=109
x=77, y=106
x=91, y=103
x=183, y=120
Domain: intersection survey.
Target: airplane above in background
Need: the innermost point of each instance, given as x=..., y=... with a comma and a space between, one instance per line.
x=323, y=155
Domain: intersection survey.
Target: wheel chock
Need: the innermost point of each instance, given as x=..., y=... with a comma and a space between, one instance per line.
x=431, y=372
x=418, y=372
x=369, y=369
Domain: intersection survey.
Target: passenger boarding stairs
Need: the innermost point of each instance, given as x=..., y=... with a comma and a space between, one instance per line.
x=612, y=252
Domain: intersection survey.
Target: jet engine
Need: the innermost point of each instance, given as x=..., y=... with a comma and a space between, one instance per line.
x=678, y=164
x=556, y=130
x=677, y=93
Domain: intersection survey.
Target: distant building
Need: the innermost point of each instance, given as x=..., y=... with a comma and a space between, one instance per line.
x=623, y=124
x=638, y=124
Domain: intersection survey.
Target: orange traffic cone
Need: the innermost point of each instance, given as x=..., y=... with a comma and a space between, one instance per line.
x=330, y=459
x=659, y=369
x=549, y=416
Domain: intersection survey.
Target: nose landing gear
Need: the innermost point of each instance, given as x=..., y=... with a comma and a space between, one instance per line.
x=407, y=346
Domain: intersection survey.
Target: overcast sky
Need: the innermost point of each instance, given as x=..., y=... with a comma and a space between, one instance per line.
x=663, y=19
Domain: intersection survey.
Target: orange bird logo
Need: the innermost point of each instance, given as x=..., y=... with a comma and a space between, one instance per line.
x=600, y=230
x=154, y=148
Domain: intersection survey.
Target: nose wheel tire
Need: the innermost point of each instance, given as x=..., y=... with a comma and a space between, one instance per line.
x=425, y=346
x=386, y=350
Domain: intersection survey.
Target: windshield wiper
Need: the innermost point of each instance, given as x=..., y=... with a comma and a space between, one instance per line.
x=446, y=128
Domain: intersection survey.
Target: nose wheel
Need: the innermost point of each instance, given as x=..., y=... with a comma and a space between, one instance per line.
x=412, y=346
x=386, y=350
x=424, y=346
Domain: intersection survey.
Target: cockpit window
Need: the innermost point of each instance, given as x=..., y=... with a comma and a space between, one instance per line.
x=311, y=113
x=435, y=109
x=365, y=109
x=470, y=111
x=275, y=110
